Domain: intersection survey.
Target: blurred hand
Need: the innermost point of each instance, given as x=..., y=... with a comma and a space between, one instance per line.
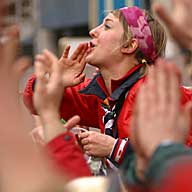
x=20, y=160
x=178, y=21
x=96, y=144
x=48, y=90
x=158, y=115
x=37, y=135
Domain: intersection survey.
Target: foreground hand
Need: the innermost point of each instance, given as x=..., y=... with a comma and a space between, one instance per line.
x=20, y=160
x=48, y=91
x=96, y=144
x=178, y=22
x=158, y=114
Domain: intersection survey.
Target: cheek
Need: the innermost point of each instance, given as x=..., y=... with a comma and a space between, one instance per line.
x=111, y=41
x=110, y=44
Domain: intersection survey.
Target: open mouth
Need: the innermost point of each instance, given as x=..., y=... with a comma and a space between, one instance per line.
x=91, y=47
x=91, y=44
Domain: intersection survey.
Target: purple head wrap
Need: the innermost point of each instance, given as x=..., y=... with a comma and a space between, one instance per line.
x=140, y=30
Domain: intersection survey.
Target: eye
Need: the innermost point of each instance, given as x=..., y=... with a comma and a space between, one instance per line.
x=107, y=26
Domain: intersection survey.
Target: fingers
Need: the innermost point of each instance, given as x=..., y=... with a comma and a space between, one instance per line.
x=174, y=91
x=80, y=50
x=47, y=58
x=72, y=122
x=83, y=135
x=41, y=58
x=162, y=13
x=85, y=141
x=168, y=88
x=79, y=79
x=41, y=80
x=66, y=52
x=162, y=85
x=3, y=12
x=21, y=65
x=83, y=53
x=87, y=149
x=50, y=56
x=9, y=42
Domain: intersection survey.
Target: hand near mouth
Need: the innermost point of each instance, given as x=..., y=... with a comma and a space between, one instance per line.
x=71, y=68
x=74, y=65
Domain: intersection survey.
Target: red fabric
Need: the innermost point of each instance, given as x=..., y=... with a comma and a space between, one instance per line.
x=177, y=179
x=88, y=107
x=68, y=157
x=186, y=96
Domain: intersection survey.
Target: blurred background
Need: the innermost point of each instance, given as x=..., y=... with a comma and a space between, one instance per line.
x=45, y=22
x=52, y=24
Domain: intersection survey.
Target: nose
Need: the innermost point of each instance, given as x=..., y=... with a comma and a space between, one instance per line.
x=94, y=32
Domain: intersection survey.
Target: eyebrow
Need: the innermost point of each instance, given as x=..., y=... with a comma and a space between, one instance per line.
x=108, y=19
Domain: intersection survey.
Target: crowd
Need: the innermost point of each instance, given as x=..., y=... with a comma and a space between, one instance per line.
x=136, y=100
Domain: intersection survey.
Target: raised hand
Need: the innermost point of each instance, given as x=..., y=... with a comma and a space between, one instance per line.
x=54, y=75
x=73, y=66
x=48, y=94
x=49, y=89
x=20, y=159
x=178, y=21
x=158, y=115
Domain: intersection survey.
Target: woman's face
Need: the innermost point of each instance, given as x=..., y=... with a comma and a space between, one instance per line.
x=106, y=42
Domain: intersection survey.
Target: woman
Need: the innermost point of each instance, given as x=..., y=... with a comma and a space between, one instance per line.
x=122, y=47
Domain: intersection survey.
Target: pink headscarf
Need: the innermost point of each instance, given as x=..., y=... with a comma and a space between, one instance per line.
x=141, y=31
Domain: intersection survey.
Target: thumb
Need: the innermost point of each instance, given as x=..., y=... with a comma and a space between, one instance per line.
x=73, y=121
x=79, y=79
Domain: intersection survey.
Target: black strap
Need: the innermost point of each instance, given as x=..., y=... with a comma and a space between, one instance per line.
x=118, y=108
x=131, y=81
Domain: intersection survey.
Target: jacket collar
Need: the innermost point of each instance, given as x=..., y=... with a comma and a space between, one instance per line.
x=97, y=85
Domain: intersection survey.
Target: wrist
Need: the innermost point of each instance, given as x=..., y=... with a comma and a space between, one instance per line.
x=48, y=117
x=52, y=125
x=112, y=148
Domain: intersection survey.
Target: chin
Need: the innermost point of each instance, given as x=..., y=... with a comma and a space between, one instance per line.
x=89, y=60
x=92, y=61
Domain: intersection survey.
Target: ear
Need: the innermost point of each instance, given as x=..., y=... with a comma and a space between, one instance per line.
x=130, y=46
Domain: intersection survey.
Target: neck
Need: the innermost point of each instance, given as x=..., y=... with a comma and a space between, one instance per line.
x=117, y=71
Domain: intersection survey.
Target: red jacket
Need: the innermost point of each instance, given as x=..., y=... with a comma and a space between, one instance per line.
x=87, y=104
x=68, y=157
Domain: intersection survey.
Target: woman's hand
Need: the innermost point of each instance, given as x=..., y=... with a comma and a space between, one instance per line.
x=96, y=144
x=74, y=65
x=71, y=67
